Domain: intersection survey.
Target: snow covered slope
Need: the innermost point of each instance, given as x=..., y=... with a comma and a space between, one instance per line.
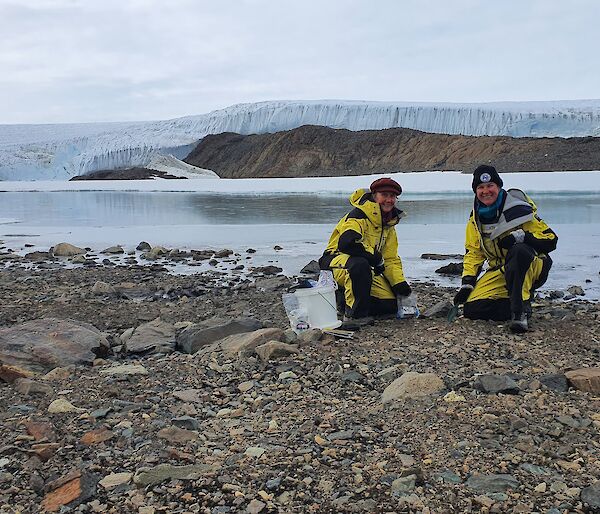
x=58, y=152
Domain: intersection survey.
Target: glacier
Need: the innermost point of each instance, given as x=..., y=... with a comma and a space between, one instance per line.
x=61, y=151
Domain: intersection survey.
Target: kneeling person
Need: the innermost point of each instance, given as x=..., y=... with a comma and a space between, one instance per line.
x=505, y=230
x=363, y=253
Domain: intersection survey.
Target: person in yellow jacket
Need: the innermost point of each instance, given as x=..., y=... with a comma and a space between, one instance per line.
x=362, y=252
x=505, y=230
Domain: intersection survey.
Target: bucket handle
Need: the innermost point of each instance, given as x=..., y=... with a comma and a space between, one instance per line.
x=334, y=307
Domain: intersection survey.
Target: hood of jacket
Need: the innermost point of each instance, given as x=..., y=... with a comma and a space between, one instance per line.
x=363, y=199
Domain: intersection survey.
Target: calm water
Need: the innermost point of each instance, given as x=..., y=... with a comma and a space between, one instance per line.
x=301, y=224
x=93, y=208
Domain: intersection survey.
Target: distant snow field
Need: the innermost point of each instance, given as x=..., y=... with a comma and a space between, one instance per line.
x=59, y=152
x=412, y=183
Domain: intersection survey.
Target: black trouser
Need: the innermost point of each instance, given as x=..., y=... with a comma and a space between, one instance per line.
x=517, y=262
x=361, y=277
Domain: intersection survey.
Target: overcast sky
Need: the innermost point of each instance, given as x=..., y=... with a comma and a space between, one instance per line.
x=116, y=60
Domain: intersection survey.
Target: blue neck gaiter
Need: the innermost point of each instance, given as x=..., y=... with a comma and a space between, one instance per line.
x=490, y=213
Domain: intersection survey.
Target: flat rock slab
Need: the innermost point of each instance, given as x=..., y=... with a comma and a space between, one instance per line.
x=440, y=310
x=412, y=385
x=115, y=479
x=156, y=336
x=38, y=346
x=492, y=483
x=70, y=491
x=585, y=379
x=125, y=369
x=152, y=476
x=275, y=349
x=591, y=495
x=496, y=384
x=243, y=345
x=197, y=336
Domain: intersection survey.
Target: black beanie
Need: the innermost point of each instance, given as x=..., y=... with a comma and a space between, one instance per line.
x=484, y=174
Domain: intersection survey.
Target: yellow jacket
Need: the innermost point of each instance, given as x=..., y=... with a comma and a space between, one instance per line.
x=361, y=233
x=517, y=212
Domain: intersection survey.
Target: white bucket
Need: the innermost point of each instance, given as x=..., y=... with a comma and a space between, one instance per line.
x=319, y=303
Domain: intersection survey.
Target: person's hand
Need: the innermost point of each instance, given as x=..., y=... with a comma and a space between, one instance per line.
x=463, y=294
x=379, y=268
x=402, y=289
x=516, y=236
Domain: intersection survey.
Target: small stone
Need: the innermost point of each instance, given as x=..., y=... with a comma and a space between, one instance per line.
x=30, y=387
x=404, y=485
x=151, y=476
x=412, y=385
x=255, y=506
x=244, y=387
x=495, y=384
x=320, y=440
x=188, y=395
x=555, y=382
x=97, y=436
x=273, y=484
x=177, y=435
x=45, y=450
x=63, y=406
x=276, y=349
x=40, y=430
x=115, y=479
x=125, y=369
x=287, y=375
x=453, y=397
x=541, y=487
x=492, y=483
x=186, y=422
x=484, y=501
x=254, y=451
x=576, y=291
x=117, y=249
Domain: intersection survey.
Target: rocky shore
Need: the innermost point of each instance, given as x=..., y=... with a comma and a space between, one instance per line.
x=126, y=388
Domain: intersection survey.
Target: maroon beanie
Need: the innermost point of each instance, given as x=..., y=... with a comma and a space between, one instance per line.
x=386, y=185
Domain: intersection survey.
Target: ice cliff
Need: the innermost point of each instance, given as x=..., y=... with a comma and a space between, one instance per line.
x=47, y=152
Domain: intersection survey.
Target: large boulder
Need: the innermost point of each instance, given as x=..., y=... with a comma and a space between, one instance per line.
x=197, y=336
x=67, y=250
x=156, y=336
x=38, y=346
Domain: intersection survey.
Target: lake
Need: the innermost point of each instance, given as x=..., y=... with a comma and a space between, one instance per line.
x=299, y=223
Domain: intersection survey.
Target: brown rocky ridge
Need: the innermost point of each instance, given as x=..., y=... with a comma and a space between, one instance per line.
x=321, y=151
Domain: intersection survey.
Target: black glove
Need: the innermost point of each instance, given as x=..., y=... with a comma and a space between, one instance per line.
x=379, y=268
x=402, y=289
x=517, y=236
x=463, y=293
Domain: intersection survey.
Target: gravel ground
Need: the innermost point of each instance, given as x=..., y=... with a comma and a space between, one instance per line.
x=304, y=432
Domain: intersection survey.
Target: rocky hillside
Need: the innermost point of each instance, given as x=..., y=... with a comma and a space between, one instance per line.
x=321, y=151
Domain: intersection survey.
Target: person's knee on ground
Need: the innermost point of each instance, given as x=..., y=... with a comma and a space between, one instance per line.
x=488, y=309
x=361, y=278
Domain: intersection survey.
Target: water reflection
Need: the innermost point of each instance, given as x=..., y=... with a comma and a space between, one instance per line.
x=97, y=208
